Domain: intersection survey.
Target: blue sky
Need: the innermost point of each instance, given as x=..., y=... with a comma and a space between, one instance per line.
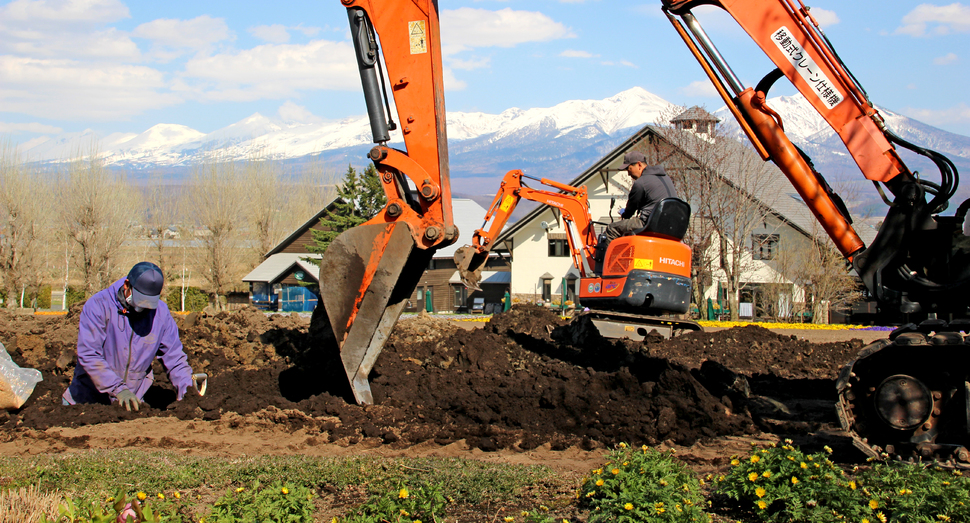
x=116, y=66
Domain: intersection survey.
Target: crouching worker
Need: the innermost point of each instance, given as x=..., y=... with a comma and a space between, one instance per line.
x=123, y=329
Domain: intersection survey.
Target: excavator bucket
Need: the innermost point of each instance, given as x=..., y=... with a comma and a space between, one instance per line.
x=470, y=263
x=367, y=275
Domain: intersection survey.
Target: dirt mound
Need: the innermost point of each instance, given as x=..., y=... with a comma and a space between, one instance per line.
x=510, y=384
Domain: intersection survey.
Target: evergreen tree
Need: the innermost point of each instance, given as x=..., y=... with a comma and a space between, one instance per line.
x=359, y=198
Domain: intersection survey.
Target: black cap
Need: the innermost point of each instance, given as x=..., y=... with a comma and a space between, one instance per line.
x=632, y=157
x=146, y=284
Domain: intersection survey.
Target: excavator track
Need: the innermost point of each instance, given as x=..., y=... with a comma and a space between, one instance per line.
x=612, y=324
x=908, y=397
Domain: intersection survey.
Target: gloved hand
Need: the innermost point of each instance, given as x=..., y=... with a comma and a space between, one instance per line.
x=127, y=399
x=622, y=210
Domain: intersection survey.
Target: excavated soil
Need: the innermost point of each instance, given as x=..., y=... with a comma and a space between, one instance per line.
x=525, y=380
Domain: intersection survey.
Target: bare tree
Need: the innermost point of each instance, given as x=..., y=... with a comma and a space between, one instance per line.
x=265, y=209
x=217, y=197
x=24, y=227
x=729, y=188
x=162, y=202
x=98, y=212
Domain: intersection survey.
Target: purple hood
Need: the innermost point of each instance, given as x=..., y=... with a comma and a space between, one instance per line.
x=115, y=350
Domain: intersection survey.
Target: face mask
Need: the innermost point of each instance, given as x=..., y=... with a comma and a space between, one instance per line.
x=131, y=304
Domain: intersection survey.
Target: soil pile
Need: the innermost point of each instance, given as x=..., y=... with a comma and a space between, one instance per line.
x=511, y=384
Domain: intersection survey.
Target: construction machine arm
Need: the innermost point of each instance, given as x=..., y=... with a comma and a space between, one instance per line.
x=372, y=270
x=572, y=203
x=896, y=268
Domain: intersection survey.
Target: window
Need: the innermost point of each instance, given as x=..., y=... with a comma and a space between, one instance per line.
x=558, y=248
x=764, y=246
x=460, y=295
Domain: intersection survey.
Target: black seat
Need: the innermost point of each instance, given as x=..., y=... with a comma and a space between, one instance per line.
x=669, y=218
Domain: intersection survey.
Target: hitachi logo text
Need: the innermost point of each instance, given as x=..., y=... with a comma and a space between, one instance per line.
x=673, y=261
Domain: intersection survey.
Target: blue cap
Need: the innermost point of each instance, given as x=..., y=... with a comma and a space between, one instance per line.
x=146, y=284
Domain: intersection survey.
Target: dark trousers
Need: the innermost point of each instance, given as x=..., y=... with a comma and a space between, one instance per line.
x=623, y=228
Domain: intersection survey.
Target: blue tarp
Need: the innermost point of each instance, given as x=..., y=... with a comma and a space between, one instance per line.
x=294, y=298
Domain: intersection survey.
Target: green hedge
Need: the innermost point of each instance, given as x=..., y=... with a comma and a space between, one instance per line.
x=195, y=299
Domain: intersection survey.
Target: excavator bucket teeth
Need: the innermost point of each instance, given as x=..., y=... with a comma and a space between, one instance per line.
x=367, y=275
x=470, y=263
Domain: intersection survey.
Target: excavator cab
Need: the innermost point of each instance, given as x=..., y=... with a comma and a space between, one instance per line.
x=670, y=219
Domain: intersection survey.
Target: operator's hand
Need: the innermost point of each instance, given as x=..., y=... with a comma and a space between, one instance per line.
x=128, y=400
x=622, y=210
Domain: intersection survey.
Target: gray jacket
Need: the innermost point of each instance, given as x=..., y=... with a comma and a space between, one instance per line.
x=652, y=186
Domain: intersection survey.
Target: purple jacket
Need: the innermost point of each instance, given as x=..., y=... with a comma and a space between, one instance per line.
x=115, y=350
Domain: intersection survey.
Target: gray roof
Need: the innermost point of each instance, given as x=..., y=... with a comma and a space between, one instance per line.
x=696, y=114
x=279, y=264
x=468, y=216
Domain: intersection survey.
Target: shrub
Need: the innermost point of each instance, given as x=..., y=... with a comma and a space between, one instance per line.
x=43, y=296
x=74, y=295
x=908, y=492
x=280, y=502
x=422, y=504
x=195, y=299
x=785, y=484
x=643, y=485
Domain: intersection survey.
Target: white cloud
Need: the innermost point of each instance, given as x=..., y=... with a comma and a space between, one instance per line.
x=65, y=29
x=928, y=19
x=824, y=17
x=307, y=31
x=73, y=90
x=197, y=33
x=467, y=28
x=948, y=58
x=63, y=12
x=291, y=112
x=452, y=83
x=276, y=33
x=621, y=63
x=572, y=53
x=32, y=127
x=271, y=71
x=956, y=115
x=468, y=65
x=703, y=88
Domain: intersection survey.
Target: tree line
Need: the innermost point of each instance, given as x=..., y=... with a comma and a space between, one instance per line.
x=79, y=226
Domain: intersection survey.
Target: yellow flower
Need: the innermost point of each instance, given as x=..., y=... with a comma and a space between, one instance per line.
x=865, y=520
x=177, y=495
x=766, y=473
x=873, y=504
x=598, y=471
x=828, y=449
x=943, y=517
x=622, y=445
x=404, y=512
x=643, y=448
x=762, y=505
x=628, y=506
x=946, y=483
x=852, y=485
x=794, y=480
x=416, y=521
x=161, y=496
x=881, y=517
x=904, y=491
x=599, y=483
x=663, y=483
x=141, y=496
x=509, y=519
x=756, y=458
x=735, y=463
x=403, y=494
x=753, y=476
x=285, y=491
x=615, y=471
x=803, y=465
x=760, y=492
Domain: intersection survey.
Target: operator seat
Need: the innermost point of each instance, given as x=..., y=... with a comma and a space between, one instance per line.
x=669, y=219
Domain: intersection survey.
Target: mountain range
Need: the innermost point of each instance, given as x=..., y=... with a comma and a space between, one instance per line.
x=558, y=142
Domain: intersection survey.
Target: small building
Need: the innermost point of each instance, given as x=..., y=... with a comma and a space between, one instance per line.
x=286, y=281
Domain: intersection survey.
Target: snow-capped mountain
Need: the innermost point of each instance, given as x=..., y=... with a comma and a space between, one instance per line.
x=558, y=142
x=167, y=145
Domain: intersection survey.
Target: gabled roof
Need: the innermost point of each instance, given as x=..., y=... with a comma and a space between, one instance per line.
x=695, y=114
x=279, y=264
x=304, y=228
x=776, y=193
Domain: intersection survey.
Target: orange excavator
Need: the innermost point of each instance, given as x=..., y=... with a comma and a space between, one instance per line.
x=632, y=285
x=907, y=396
x=369, y=272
